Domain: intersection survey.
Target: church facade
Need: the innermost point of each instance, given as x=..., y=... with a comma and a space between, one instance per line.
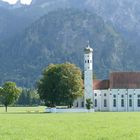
x=121, y=92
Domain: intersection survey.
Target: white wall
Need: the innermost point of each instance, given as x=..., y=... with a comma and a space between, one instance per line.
x=136, y=93
x=97, y=97
x=118, y=94
x=78, y=102
x=71, y=110
x=100, y=96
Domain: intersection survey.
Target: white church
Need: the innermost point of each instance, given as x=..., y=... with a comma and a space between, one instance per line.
x=121, y=92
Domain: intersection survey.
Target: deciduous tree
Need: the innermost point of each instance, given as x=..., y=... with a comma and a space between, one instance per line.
x=61, y=84
x=9, y=93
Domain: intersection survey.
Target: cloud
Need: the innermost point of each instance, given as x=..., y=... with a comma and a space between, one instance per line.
x=22, y=1
x=26, y=1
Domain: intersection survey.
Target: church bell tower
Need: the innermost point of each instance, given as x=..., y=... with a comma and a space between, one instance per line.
x=88, y=74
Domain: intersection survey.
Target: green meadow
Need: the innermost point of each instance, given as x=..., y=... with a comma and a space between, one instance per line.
x=31, y=123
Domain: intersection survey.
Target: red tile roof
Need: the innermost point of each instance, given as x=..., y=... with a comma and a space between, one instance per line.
x=128, y=80
x=100, y=84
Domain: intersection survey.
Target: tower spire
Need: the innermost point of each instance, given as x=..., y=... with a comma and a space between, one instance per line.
x=88, y=43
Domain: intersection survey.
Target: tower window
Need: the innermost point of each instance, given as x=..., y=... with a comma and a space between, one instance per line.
x=105, y=94
x=95, y=102
x=85, y=61
x=130, y=96
x=88, y=61
x=122, y=96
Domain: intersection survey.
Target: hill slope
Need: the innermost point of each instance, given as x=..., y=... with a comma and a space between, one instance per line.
x=58, y=37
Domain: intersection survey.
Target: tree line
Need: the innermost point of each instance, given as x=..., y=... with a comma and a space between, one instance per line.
x=59, y=85
x=10, y=94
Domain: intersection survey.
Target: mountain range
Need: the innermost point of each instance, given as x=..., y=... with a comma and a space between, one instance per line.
x=56, y=31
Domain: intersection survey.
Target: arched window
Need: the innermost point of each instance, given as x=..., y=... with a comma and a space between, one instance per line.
x=138, y=102
x=122, y=96
x=130, y=102
x=122, y=102
x=114, y=102
x=77, y=104
x=114, y=96
x=105, y=103
x=95, y=102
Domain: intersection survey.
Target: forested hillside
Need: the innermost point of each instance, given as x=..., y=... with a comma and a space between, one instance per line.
x=58, y=37
x=55, y=31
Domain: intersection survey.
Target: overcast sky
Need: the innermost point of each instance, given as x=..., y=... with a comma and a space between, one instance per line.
x=22, y=1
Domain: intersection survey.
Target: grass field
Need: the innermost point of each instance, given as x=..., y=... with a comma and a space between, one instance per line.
x=20, y=124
